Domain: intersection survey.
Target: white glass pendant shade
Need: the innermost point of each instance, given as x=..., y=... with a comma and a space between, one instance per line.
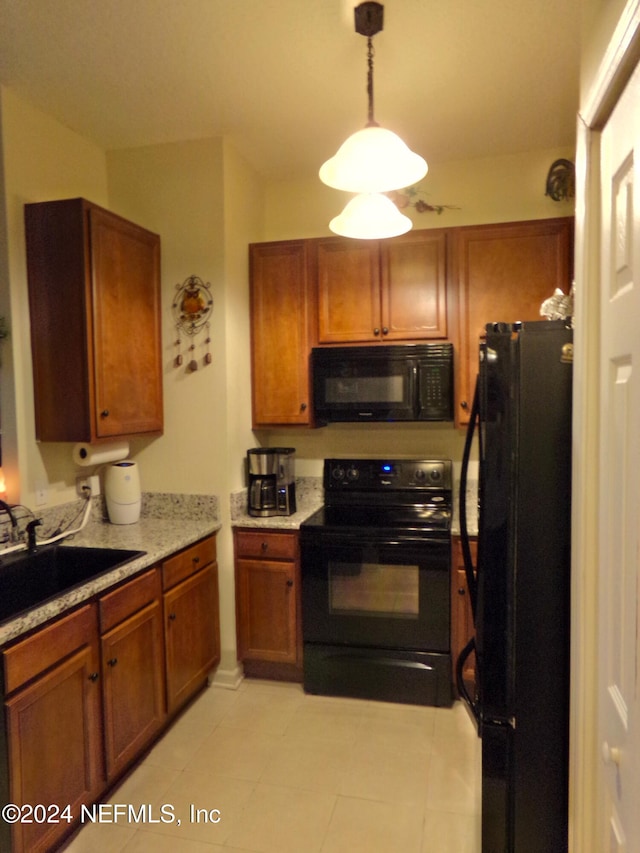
x=373, y=160
x=370, y=216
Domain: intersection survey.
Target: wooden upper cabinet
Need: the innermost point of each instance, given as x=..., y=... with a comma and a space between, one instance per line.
x=504, y=273
x=94, y=300
x=280, y=332
x=413, y=286
x=348, y=290
x=382, y=290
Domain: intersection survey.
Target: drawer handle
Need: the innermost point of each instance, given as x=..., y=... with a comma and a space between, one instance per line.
x=172, y=617
x=104, y=413
x=289, y=583
x=196, y=560
x=112, y=661
x=94, y=676
x=264, y=547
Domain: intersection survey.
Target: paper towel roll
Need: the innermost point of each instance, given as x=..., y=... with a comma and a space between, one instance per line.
x=85, y=454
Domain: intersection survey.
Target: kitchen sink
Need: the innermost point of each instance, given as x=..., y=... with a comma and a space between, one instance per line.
x=28, y=579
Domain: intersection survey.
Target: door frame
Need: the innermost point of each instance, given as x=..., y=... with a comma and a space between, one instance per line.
x=586, y=777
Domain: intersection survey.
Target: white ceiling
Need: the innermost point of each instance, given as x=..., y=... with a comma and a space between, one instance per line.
x=286, y=79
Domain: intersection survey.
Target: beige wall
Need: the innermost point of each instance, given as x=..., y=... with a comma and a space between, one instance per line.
x=207, y=204
x=204, y=201
x=42, y=160
x=499, y=189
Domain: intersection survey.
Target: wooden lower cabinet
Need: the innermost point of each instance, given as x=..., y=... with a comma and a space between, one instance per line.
x=133, y=682
x=461, y=615
x=87, y=693
x=191, y=621
x=267, y=602
x=54, y=727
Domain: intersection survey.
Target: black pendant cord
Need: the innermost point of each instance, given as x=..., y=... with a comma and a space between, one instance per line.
x=371, y=122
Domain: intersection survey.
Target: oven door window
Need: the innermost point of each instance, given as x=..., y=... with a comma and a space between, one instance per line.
x=376, y=594
x=374, y=589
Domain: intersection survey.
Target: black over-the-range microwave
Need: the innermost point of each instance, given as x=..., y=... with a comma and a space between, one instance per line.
x=409, y=382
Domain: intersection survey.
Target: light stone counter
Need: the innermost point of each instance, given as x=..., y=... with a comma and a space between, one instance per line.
x=167, y=524
x=471, y=506
x=309, y=498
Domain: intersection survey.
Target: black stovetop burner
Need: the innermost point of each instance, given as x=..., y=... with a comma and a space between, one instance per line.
x=408, y=495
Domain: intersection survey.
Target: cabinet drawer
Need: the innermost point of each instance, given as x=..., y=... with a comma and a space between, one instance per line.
x=188, y=561
x=275, y=546
x=27, y=658
x=123, y=602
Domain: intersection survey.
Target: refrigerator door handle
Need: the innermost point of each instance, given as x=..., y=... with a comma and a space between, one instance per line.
x=472, y=583
x=462, y=687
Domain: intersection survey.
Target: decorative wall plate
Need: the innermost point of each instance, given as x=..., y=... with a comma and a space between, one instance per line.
x=192, y=307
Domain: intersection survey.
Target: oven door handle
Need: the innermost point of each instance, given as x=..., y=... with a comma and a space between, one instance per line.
x=360, y=539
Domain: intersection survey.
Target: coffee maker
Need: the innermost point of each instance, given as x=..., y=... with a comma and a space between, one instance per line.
x=272, y=488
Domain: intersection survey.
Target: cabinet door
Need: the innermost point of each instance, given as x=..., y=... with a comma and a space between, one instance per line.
x=505, y=272
x=125, y=261
x=133, y=685
x=348, y=290
x=413, y=270
x=280, y=333
x=462, y=628
x=267, y=610
x=55, y=745
x=192, y=634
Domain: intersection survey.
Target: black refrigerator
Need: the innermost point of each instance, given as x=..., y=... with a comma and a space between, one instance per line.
x=520, y=587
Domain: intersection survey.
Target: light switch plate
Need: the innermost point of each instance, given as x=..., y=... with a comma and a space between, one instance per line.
x=42, y=492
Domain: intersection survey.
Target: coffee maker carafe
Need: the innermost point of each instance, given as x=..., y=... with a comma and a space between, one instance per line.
x=272, y=489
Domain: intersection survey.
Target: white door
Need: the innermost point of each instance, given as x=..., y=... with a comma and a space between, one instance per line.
x=619, y=504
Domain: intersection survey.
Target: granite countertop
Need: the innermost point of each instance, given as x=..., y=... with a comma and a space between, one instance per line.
x=191, y=517
x=309, y=498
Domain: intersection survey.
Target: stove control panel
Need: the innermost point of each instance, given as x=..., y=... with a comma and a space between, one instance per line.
x=387, y=474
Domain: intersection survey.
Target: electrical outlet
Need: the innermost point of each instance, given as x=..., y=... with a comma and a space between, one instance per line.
x=42, y=492
x=92, y=482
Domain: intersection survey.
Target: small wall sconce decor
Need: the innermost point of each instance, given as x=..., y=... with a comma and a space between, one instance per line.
x=410, y=197
x=561, y=180
x=192, y=307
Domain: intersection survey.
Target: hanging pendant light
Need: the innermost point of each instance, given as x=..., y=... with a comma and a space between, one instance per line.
x=372, y=160
x=370, y=216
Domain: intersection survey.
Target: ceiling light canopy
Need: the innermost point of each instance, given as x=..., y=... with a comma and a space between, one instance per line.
x=370, y=216
x=372, y=160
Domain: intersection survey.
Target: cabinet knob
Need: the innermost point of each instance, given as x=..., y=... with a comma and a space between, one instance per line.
x=112, y=661
x=303, y=407
x=94, y=676
x=264, y=547
x=172, y=617
x=196, y=560
x=385, y=330
x=289, y=583
x=104, y=413
x=461, y=590
x=464, y=405
x=376, y=331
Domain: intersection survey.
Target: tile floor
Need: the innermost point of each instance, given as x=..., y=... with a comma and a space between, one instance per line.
x=278, y=771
